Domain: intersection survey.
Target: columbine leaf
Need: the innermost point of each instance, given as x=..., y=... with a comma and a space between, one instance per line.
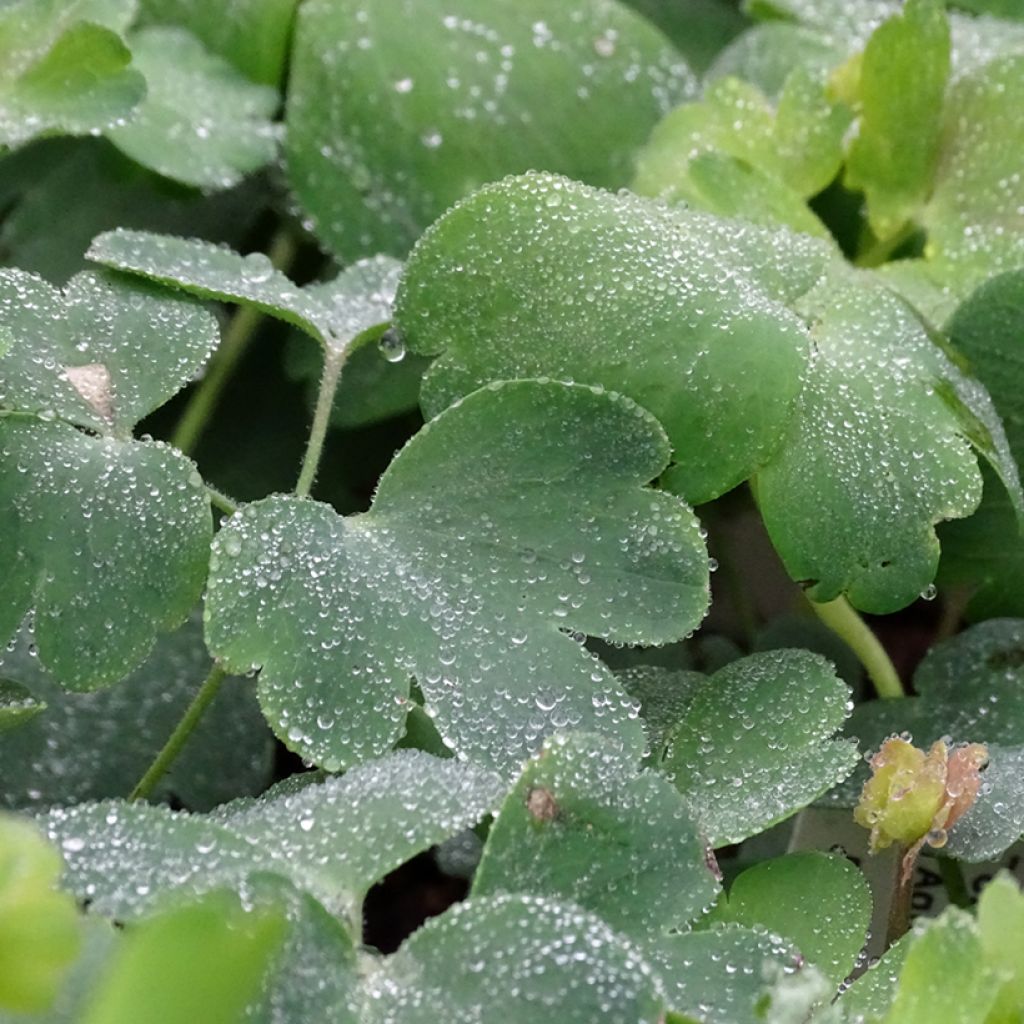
x=201, y=122
x=698, y=28
x=64, y=68
x=518, y=957
x=710, y=324
x=354, y=307
x=514, y=516
x=900, y=90
x=794, y=150
x=820, y=903
x=969, y=690
x=101, y=529
x=87, y=746
x=386, y=128
x=17, y=706
x=333, y=839
x=736, y=783
x=717, y=976
x=252, y=34
x=1001, y=930
x=664, y=696
x=582, y=825
x=685, y=313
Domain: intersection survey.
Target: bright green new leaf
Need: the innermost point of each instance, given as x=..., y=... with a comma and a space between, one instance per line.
x=755, y=744
x=870, y=996
x=39, y=926
x=17, y=706
x=201, y=961
x=354, y=307
x=717, y=976
x=711, y=324
x=945, y=979
x=687, y=314
x=1001, y=930
x=64, y=68
x=900, y=90
x=518, y=958
x=583, y=826
x=89, y=746
x=820, y=903
x=201, y=123
x=334, y=839
x=252, y=34
x=513, y=518
x=968, y=689
x=386, y=128
x=787, y=153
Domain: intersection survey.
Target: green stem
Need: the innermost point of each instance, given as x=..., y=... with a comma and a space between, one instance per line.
x=841, y=618
x=902, y=901
x=172, y=748
x=881, y=249
x=219, y=500
x=955, y=883
x=334, y=359
x=234, y=345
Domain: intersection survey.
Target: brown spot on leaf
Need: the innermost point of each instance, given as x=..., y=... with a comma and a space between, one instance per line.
x=93, y=383
x=541, y=804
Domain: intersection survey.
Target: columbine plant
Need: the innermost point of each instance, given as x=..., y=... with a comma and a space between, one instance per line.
x=381, y=385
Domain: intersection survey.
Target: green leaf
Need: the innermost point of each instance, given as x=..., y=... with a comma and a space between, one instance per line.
x=685, y=313
x=710, y=324
x=582, y=825
x=354, y=307
x=871, y=995
x=736, y=783
x=901, y=88
x=969, y=690
x=334, y=839
x=202, y=961
x=793, y=151
x=820, y=903
x=944, y=978
x=252, y=34
x=64, y=68
x=39, y=927
x=717, y=976
x=106, y=540
x=665, y=696
x=387, y=127
x=1001, y=930
x=17, y=706
x=520, y=958
x=514, y=516
x=201, y=123
x=88, y=746
x=102, y=354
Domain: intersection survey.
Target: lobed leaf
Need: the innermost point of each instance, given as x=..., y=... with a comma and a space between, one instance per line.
x=522, y=957
x=17, y=706
x=387, y=128
x=201, y=123
x=582, y=825
x=516, y=515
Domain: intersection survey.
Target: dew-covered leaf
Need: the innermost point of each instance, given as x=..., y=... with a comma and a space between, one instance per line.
x=901, y=84
x=522, y=959
x=794, y=148
x=515, y=516
x=17, y=706
x=755, y=744
x=336, y=313
x=201, y=961
x=819, y=902
x=685, y=313
x=88, y=746
x=252, y=34
x=717, y=976
x=698, y=28
x=1001, y=930
x=583, y=826
x=64, y=68
x=107, y=541
x=333, y=839
x=871, y=994
x=202, y=123
x=102, y=354
x=387, y=127
x=664, y=696
x=968, y=689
